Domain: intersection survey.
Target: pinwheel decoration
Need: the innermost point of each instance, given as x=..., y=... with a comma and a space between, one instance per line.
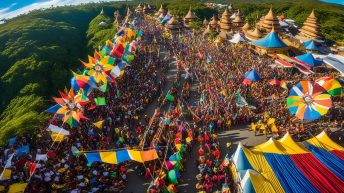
x=69, y=106
x=99, y=67
x=331, y=85
x=308, y=100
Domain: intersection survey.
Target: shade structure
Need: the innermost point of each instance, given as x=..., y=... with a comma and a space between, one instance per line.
x=270, y=41
x=308, y=100
x=252, y=75
x=290, y=167
x=310, y=45
x=308, y=59
x=331, y=85
x=237, y=38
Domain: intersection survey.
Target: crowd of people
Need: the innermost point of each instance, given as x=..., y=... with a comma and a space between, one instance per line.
x=176, y=127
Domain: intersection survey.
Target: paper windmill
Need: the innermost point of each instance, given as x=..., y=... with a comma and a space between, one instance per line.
x=69, y=106
x=308, y=100
x=99, y=67
x=331, y=85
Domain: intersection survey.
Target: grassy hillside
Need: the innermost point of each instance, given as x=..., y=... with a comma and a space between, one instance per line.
x=37, y=53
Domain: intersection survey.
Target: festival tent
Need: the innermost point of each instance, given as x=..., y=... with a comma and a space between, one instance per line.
x=336, y=62
x=290, y=167
x=240, y=161
x=308, y=59
x=270, y=41
x=252, y=75
x=255, y=182
x=310, y=45
x=237, y=38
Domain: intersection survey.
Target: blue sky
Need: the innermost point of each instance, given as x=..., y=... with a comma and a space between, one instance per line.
x=12, y=8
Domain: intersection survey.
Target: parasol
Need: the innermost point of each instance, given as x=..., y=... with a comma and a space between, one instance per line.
x=331, y=85
x=308, y=100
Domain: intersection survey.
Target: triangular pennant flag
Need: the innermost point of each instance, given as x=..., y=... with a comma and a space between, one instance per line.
x=104, y=88
x=99, y=124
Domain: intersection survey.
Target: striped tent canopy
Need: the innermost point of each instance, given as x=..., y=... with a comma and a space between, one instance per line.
x=316, y=165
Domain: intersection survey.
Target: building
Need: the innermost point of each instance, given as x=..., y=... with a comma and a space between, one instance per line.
x=190, y=17
x=246, y=27
x=225, y=23
x=208, y=30
x=173, y=26
x=214, y=24
x=139, y=9
x=205, y=22
x=237, y=22
x=265, y=23
x=310, y=28
x=160, y=11
x=254, y=35
x=270, y=44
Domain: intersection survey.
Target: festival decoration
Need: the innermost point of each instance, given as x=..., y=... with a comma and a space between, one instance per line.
x=252, y=75
x=99, y=67
x=331, y=85
x=308, y=101
x=69, y=106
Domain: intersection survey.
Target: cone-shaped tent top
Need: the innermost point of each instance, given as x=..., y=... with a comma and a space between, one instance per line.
x=270, y=41
x=237, y=38
x=246, y=183
x=246, y=26
x=255, y=182
x=240, y=160
x=309, y=59
x=322, y=140
x=310, y=45
x=252, y=75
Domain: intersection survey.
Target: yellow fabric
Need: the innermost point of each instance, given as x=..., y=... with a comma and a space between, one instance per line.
x=253, y=126
x=17, y=188
x=271, y=121
x=274, y=128
x=98, y=124
x=286, y=145
x=108, y=157
x=135, y=155
x=260, y=183
x=188, y=139
x=261, y=165
x=282, y=56
x=57, y=137
x=288, y=142
x=324, y=141
x=2, y=188
x=6, y=174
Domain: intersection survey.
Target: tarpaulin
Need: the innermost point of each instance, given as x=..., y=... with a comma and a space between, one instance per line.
x=332, y=162
x=290, y=176
x=319, y=175
x=261, y=165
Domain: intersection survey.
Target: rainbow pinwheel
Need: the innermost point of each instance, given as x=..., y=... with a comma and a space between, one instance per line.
x=99, y=67
x=69, y=106
x=331, y=85
x=308, y=100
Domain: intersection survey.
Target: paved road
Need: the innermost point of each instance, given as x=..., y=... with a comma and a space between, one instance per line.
x=136, y=183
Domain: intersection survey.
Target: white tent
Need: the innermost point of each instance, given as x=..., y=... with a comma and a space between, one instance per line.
x=237, y=38
x=333, y=60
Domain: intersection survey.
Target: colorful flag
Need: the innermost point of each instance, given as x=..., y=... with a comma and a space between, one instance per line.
x=169, y=97
x=6, y=174
x=240, y=101
x=17, y=188
x=100, y=101
x=22, y=150
x=99, y=124
x=11, y=141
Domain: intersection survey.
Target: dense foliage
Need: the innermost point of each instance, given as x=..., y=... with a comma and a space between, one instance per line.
x=39, y=50
x=37, y=53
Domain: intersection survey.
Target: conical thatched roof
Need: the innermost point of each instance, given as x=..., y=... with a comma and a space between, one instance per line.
x=246, y=26
x=190, y=15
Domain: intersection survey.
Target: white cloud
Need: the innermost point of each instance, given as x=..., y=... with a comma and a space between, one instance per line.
x=7, y=8
x=43, y=5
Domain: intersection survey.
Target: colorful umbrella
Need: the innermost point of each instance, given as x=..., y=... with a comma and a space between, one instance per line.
x=331, y=85
x=69, y=106
x=308, y=100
